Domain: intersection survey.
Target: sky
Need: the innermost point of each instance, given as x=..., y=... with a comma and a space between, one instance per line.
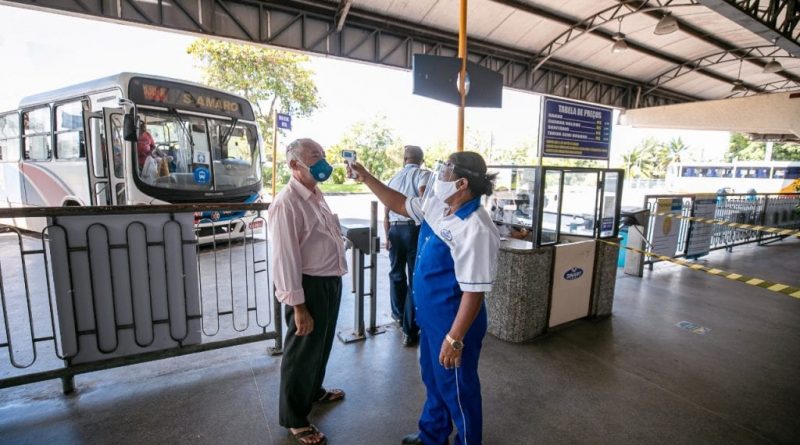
x=43, y=51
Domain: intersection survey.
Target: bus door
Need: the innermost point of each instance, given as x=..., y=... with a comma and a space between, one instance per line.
x=97, y=159
x=115, y=151
x=106, y=160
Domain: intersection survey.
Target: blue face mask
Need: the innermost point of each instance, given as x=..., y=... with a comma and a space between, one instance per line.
x=321, y=170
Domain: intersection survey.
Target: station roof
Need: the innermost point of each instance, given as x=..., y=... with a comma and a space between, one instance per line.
x=561, y=48
x=701, y=59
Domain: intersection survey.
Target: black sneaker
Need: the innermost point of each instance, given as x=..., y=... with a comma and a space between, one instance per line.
x=410, y=340
x=412, y=439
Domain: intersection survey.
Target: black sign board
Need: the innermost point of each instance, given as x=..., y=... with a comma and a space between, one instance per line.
x=437, y=77
x=575, y=130
x=164, y=93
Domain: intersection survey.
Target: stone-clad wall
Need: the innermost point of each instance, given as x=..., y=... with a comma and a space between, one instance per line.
x=518, y=302
x=605, y=278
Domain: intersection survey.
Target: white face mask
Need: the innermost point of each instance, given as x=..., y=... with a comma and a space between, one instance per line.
x=443, y=190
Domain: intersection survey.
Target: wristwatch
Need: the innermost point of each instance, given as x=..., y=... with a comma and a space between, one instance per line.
x=455, y=344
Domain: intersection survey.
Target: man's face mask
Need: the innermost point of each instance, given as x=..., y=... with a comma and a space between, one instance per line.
x=320, y=171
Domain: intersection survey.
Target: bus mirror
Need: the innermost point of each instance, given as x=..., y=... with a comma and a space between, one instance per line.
x=129, y=127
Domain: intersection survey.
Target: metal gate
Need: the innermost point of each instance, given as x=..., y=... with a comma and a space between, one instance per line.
x=103, y=287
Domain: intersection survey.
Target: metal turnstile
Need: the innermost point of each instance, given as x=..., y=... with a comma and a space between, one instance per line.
x=362, y=237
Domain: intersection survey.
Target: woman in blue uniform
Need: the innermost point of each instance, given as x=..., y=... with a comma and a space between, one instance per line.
x=456, y=265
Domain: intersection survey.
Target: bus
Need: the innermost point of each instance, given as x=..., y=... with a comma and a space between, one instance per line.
x=737, y=177
x=69, y=147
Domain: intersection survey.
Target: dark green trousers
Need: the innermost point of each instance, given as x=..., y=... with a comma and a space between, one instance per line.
x=305, y=357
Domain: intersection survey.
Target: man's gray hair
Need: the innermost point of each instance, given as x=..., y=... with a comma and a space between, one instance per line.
x=414, y=153
x=296, y=147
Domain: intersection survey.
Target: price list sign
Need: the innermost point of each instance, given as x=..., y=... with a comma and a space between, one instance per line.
x=575, y=130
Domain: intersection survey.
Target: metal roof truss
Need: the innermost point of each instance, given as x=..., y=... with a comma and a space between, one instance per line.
x=336, y=29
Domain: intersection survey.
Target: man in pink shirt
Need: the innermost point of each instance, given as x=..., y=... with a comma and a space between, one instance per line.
x=308, y=264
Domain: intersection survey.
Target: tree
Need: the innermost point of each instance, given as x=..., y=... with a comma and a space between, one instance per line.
x=376, y=146
x=786, y=152
x=268, y=78
x=741, y=148
x=674, y=148
x=648, y=159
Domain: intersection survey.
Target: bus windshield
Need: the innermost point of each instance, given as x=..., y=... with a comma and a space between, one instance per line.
x=185, y=152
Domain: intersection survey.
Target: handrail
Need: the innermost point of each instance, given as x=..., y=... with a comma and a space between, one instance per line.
x=22, y=212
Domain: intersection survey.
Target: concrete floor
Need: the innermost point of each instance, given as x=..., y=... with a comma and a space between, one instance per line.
x=632, y=378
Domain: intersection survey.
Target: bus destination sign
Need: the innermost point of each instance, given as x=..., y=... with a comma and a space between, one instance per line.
x=188, y=97
x=575, y=130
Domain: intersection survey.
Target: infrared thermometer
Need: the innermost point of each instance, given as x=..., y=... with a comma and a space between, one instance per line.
x=349, y=157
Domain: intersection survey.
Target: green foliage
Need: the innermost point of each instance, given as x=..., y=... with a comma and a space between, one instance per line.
x=268, y=78
x=266, y=176
x=788, y=151
x=483, y=143
x=439, y=151
x=376, y=146
x=339, y=174
x=650, y=158
x=283, y=174
x=348, y=187
x=741, y=148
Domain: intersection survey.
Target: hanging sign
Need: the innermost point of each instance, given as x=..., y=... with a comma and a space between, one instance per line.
x=575, y=130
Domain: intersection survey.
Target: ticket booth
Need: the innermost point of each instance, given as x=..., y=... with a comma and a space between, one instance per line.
x=558, y=258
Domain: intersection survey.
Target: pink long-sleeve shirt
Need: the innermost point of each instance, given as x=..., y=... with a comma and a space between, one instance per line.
x=306, y=239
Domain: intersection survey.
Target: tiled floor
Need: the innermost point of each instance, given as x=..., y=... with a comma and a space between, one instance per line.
x=632, y=378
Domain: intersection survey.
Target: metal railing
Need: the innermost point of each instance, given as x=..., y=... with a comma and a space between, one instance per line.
x=100, y=287
x=781, y=210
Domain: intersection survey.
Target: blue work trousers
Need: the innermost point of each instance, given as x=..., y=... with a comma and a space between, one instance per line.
x=453, y=396
x=403, y=254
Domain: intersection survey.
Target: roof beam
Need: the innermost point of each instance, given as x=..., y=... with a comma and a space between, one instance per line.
x=599, y=32
x=341, y=13
x=310, y=26
x=762, y=17
x=710, y=39
x=721, y=57
x=777, y=113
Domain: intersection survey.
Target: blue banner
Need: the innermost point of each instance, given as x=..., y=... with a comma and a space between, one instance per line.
x=575, y=130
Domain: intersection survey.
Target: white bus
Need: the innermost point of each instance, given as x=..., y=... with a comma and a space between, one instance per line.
x=68, y=147
x=737, y=177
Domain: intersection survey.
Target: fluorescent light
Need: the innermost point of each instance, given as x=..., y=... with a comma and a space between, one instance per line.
x=773, y=66
x=667, y=25
x=619, y=43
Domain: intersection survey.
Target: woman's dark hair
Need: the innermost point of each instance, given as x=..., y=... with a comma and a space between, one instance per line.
x=470, y=165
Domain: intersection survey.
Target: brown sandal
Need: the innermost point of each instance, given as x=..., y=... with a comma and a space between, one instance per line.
x=297, y=438
x=330, y=396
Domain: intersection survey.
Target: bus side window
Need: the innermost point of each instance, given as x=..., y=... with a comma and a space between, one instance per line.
x=36, y=128
x=69, y=131
x=9, y=137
